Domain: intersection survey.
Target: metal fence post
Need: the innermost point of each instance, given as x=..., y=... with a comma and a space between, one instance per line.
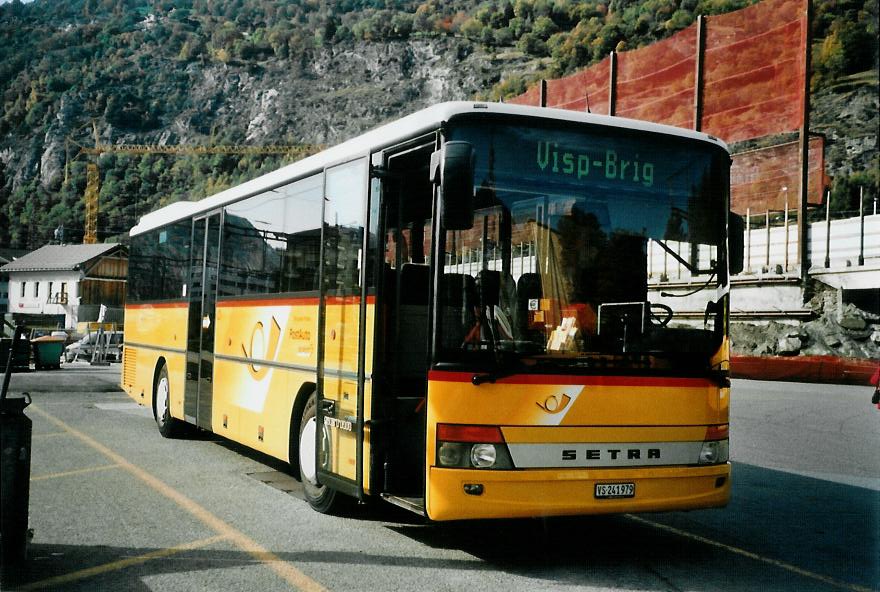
x=748, y=240
x=785, y=223
x=828, y=229
x=861, y=225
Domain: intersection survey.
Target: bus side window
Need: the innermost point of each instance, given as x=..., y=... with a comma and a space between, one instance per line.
x=344, y=227
x=271, y=241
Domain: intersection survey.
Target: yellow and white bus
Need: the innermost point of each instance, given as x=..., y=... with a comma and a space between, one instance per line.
x=458, y=312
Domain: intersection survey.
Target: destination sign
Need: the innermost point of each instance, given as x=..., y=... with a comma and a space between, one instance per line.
x=607, y=164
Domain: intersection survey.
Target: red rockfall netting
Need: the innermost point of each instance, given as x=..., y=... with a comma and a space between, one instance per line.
x=586, y=88
x=757, y=177
x=754, y=71
x=530, y=97
x=656, y=83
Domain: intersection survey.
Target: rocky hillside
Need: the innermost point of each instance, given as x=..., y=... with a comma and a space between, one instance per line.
x=255, y=72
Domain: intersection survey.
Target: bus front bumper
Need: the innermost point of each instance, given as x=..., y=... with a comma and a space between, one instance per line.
x=565, y=492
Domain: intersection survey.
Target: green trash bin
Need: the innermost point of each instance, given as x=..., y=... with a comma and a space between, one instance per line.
x=47, y=352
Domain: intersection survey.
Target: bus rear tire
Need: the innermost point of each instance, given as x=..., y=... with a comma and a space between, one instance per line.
x=168, y=426
x=320, y=497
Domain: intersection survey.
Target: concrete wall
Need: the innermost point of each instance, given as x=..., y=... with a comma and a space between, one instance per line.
x=29, y=300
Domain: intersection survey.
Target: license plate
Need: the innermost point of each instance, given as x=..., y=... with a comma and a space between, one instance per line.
x=614, y=490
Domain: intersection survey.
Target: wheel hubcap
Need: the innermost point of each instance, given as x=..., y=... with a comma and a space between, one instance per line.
x=161, y=400
x=307, y=450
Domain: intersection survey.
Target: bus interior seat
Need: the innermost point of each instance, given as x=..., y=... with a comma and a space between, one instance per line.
x=527, y=288
x=411, y=356
x=403, y=474
x=489, y=287
x=501, y=299
x=458, y=296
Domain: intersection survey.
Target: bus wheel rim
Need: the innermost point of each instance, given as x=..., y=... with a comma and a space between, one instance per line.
x=161, y=399
x=307, y=450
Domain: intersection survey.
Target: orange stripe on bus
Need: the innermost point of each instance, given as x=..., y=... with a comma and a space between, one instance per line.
x=294, y=301
x=178, y=304
x=560, y=379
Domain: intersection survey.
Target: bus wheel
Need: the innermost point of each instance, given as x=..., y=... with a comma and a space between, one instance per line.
x=320, y=497
x=169, y=427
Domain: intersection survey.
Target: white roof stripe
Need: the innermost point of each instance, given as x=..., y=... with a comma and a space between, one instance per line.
x=387, y=135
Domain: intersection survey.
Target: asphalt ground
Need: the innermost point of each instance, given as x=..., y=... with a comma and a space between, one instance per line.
x=114, y=506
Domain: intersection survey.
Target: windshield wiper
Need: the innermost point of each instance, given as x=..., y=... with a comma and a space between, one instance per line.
x=680, y=259
x=692, y=292
x=492, y=377
x=500, y=371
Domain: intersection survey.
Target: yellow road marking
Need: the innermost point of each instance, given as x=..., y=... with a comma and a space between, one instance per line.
x=49, y=435
x=774, y=562
x=285, y=570
x=121, y=564
x=76, y=472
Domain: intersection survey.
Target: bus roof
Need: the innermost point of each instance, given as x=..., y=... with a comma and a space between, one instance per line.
x=387, y=135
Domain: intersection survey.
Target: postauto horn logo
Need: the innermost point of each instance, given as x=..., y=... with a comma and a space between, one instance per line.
x=262, y=347
x=554, y=403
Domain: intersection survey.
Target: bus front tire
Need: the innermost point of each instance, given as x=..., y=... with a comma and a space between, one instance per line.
x=320, y=497
x=169, y=427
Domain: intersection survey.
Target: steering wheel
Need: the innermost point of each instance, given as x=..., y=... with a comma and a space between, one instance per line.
x=662, y=318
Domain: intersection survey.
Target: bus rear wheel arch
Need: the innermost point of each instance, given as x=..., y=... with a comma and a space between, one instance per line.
x=169, y=426
x=320, y=497
x=299, y=404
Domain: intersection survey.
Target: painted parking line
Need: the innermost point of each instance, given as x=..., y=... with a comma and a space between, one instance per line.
x=48, y=435
x=74, y=472
x=90, y=572
x=754, y=556
x=285, y=570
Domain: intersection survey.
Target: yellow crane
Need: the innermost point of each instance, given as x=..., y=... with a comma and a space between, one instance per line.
x=93, y=176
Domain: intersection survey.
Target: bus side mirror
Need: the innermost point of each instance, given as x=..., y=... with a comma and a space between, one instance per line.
x=452, y=168
x=735, y=242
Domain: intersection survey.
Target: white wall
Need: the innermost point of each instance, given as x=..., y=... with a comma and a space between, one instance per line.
x=31, y=303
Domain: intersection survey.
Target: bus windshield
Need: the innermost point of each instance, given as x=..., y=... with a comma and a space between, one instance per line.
x=575, y=230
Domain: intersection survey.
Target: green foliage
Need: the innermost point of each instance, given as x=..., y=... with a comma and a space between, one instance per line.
x=124, y=63
x=509, y=87
x=846, y=190
x=848, y=48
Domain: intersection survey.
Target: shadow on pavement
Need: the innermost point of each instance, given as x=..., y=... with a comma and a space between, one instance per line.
x=826, y=528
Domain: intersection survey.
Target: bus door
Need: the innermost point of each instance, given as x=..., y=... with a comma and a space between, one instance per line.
x=345, y=311
x=403, y=321
x=198, y=394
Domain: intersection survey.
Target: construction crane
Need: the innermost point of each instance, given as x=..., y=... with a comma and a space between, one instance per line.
x=93, y=178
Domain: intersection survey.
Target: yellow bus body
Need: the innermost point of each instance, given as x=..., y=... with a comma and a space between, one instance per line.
x=252, y=404
x=561, y=409
x=265, y=351
x=365, y=205
x=155, y=332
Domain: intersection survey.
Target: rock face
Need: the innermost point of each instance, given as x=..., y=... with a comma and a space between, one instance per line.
x=837, y=330
x=323, y=96
x=849, y=121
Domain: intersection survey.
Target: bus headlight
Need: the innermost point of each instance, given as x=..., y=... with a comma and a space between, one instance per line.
x=472, y=447
x=451, y=454
x=483, y=455
x=715, y=452
x=716, y=445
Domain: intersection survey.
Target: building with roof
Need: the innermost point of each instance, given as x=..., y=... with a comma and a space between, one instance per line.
x=7, y=256
x=65, y=285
